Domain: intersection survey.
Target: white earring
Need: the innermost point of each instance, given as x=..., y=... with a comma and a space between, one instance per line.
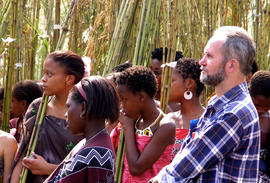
x=188, y=95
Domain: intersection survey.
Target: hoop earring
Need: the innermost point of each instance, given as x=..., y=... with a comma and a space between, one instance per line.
x=81, y=116
x=188, y=95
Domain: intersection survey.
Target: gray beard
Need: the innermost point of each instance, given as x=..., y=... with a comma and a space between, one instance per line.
x=215, y=79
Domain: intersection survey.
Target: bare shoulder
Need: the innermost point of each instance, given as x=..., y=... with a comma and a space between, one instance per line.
x=7, y=139
x=166, y=131
x=168, y=122
x=172, y=117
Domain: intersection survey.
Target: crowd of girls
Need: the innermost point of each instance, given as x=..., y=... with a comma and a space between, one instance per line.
x=80, y=131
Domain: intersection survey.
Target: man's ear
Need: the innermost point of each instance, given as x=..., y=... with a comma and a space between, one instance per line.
x=232, y=65
x=83, y=110
x=70, y=80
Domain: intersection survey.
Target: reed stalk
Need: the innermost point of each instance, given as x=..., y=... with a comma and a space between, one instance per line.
x=172, y=14
x=4, y=20
x=10, y=66
x=56, y=32
x=65, y=27
x=34, y=135
x=121, y=35
x=34, y=43
x=120, y=157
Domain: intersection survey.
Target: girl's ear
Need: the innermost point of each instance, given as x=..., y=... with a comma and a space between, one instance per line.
x=24, y=103
x=142, y=96
x=70, y=79
x=189, y=83
x=83, y=110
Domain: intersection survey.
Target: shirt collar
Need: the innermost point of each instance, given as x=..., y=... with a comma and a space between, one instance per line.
x=218, y=103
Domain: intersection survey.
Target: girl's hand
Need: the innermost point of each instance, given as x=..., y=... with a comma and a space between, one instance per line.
x=38, y=165
x=126, y=121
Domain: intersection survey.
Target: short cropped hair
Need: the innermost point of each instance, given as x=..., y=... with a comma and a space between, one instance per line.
x=102, y=98
x=158, y=54
x=190, y=68
x=260, y=84
x=139, y=78
x=238, y=45
x=122, y=67
x=27, y=90
x=72, y=63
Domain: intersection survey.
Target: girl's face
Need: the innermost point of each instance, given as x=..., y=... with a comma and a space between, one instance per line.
x=155, y=67
x=177, y=87
x=130, y=102
x=54, y=78
x=261, y=103
x=75, y=123
x=18, y=107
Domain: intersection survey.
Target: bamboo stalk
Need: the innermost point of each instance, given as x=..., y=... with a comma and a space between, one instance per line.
x=9, y=80
x=35, y=23
x=57, y=21
x=121, y=34
x=4, y=21
x=173, y=8
x=120, y=157
x=65, y=28
x=34, y=135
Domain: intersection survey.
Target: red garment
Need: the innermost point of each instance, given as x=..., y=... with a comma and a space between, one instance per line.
x=180, y=135
x=142, y=141
x=13, y=123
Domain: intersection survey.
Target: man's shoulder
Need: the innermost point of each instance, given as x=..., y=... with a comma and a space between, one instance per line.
x=243, y=110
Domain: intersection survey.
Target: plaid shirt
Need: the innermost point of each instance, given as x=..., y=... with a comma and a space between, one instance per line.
x=226, y=145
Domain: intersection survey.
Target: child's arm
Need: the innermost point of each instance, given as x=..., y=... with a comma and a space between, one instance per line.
x=139, y=163
x=10, y=149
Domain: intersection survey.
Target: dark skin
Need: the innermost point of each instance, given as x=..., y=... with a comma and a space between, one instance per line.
x=156, y=68
x=78, y=121
x=140, y=104
x=56, y=83
x=179, y=86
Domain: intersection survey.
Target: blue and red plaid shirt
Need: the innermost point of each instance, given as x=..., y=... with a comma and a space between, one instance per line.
x=226, y=146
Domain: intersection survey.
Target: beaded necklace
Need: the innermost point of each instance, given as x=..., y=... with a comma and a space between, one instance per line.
x=147, y=131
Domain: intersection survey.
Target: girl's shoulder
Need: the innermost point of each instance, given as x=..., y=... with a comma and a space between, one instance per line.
x=168, y=120
x=7, y=140
x=96, y=156
x=166, y=128
x=6, y=137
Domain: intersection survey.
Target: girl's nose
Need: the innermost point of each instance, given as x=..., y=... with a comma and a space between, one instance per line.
x=43, y=79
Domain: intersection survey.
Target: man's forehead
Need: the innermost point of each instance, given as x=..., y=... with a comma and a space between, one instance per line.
x=214, y=42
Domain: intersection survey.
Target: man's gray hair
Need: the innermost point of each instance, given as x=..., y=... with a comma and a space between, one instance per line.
x=238, y=45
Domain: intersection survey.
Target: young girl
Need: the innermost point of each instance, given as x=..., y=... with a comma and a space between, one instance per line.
x=23, y=93
x=90, y=103
x=155, y=66
x=260, y=94
x=185, y=89
x=148, y=138
x=62, y=69
x=8, y=148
